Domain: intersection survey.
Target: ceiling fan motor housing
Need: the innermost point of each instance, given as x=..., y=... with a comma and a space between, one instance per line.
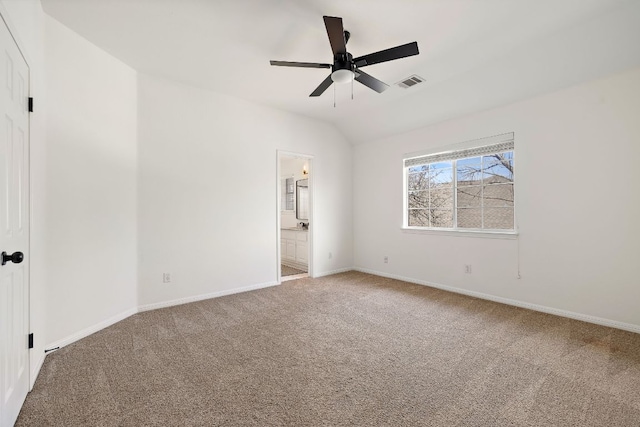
x=343, y=61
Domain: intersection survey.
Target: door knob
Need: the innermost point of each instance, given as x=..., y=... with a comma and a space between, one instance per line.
x=15, y=257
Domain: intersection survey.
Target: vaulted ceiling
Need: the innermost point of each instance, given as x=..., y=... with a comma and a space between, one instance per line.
x=474, y=54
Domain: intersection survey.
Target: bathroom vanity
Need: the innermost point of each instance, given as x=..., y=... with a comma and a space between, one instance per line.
x=294, y=247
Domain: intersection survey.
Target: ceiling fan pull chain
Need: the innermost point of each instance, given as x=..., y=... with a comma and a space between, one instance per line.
x=352, y=89
x=334, y=96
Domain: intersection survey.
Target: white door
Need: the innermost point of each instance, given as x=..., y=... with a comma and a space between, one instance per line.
x=14, y=228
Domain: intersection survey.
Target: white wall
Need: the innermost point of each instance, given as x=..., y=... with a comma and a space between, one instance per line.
x=26, y=21
x=91, y=186
x=208, y=188
x=577, y=204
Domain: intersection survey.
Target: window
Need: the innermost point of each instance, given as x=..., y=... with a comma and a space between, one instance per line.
x=464, y=189
x=287, y=194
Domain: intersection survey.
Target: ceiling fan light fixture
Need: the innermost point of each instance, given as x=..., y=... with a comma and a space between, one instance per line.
x=342, y=76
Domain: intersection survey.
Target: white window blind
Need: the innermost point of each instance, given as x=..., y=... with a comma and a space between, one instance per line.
x=483, y=146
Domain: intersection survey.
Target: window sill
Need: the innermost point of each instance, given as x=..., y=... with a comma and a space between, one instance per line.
x=506, y=235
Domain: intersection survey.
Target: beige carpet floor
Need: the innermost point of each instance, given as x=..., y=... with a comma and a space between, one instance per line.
x=349, y=349
x=285, y=270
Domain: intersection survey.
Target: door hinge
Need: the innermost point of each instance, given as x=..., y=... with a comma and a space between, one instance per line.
x=30, y=105
x=31, y=340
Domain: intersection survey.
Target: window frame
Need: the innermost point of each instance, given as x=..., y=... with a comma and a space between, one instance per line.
x=284, y=193
x=452, y=150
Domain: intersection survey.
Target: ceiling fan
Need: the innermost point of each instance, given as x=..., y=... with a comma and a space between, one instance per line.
x=345, y=67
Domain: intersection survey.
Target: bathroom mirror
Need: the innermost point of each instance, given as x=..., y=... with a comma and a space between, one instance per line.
x=302, y=199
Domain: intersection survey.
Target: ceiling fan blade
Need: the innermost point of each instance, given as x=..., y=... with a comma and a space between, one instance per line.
x=323, y=86
x=370, y=82
x=300, y=64
x=335, y=31
x=397, y=52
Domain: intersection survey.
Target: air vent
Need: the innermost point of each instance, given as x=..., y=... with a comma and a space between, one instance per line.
x=410, y=81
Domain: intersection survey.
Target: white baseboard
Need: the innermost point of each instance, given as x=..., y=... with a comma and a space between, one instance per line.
x=195, y=298
x=36, y=371
x=329, y=273
x=92, y=329
x=99, y=326
x=544, y=309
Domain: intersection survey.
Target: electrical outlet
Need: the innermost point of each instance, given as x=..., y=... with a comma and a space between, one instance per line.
x=386, y=260
x=467, y=268
x=166, y=277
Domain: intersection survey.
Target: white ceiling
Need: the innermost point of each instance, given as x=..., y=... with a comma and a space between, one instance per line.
x=474, y=54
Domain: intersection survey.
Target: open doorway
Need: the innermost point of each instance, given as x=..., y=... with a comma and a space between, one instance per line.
x=294, y=200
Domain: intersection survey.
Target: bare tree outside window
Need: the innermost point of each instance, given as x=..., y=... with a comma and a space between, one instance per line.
x=430, y=195
x=483, y=189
